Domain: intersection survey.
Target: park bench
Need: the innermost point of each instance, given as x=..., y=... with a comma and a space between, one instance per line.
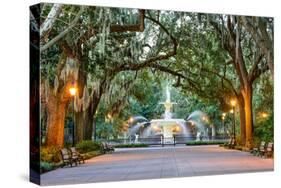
x=269, y=150
x=231, y=143
x=260, y=151
x=76, y=155
x=105, y=147
x=67, y=158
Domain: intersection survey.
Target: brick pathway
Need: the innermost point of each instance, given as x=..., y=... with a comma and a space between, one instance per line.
x=158, y=162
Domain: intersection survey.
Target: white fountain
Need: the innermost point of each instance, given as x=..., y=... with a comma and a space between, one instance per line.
x=168, y=127
x=194, y=127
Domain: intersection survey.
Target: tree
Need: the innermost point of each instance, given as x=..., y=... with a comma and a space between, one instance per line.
x=261, y=29
x=202, y=65
x=248, y=68
x=79, y=49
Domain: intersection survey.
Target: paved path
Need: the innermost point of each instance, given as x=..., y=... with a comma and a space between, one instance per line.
x=149, y=163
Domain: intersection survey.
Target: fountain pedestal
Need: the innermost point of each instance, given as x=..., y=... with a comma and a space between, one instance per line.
x=169, y=127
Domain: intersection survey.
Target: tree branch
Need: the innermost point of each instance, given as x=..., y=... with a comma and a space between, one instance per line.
x=115, y=29
x=64, y=32
x=47, y=25
x=223, y=78
x=131, y=66
x=261, y=38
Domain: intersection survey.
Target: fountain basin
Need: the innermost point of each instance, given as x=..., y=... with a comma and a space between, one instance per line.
x=168, y=128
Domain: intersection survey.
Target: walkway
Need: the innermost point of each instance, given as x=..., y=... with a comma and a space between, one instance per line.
x=158, y=162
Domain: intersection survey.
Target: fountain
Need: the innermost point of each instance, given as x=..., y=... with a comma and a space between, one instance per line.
x=193, y=128
x=166, y=127
x=199, y=119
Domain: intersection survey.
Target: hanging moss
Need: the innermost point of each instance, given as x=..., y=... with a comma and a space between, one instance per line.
x=86, y=98
x=56, y=85
x=47, y=89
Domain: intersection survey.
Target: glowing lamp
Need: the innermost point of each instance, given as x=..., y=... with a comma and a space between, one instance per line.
x=204, y=118
x=264, y=115
x=233, y=102
x=109, y=116
x=131, y=119
x=72, y=91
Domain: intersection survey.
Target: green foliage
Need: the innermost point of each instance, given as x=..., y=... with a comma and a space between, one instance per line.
x=191, y=143
x=50, y=154
x=88, y=146
x=131, y=145
x=200, y=58
x=45, y=167
x=91, y=154
x=263, y=130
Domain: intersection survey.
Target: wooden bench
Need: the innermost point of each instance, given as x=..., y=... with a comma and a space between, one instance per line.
x=269, y=150
x=76, y=155
x=259, y=151
x=231, y=143
x=105, y=147
x=66, y=158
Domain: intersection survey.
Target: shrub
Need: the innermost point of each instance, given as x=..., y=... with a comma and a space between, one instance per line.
x=87, y=146
x=50, y=154
x=131, y=145
x=45, y=167
x=204, y=142
x=238, y=147
x=91, y=154
x=263, y=130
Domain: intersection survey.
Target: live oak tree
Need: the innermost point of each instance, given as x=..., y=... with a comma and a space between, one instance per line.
x=262, y=32
x=75, y=61
x=105, y=53
x=126, y=52
x=248, y=61
x=226, y=71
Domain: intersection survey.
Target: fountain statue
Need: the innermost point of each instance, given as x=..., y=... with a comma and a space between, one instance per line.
x=136, y=138
x=168, y=104
x=168, y=127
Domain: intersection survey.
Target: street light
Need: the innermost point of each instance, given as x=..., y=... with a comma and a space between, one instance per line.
x=72, y=92
x=205, y=119
x=131, y=120
x=223, y=124
x=233, y=104
x=109, y=116
x=264, y=115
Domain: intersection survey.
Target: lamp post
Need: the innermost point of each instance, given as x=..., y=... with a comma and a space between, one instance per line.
x=73, y=91
x=264, y=115
x=131, y=120
x=233, y=104
x=223, y=118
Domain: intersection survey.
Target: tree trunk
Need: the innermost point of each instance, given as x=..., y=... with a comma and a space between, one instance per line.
x=79, y=123
x=242, y=121
x=81, y=117
x=247, y=95
x=94, y=129
x=90, y=127
x=84, y=121
x=89, y=124
x=55, y=123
